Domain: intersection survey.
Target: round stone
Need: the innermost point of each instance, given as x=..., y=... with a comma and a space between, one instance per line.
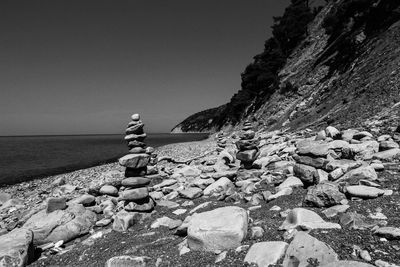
x=135, y=117
x=108, y=190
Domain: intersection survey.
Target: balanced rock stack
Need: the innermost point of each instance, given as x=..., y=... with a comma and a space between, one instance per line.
x=221, y=142
x=134, y=191
x=247, y=146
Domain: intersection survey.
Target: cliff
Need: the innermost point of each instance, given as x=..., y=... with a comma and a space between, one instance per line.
x=342, y=71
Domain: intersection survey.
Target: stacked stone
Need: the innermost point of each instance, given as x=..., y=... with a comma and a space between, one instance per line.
x=247, y=146
x=221, y=142
x=134, y=192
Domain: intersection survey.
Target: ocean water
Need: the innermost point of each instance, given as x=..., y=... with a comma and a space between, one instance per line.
x=24, y=158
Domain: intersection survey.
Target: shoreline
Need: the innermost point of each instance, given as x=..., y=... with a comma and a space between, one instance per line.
x=175, y=150
x=60, y=170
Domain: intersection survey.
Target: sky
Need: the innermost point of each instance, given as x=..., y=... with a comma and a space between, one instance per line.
x=84, y=66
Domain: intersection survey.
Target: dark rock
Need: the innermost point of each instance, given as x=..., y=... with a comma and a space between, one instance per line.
x=324, y=195
x=305, y=173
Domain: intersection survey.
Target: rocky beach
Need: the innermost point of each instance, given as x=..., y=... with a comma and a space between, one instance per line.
x=303, y=198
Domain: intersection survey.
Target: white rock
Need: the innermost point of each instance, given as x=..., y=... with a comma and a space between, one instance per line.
x=220, y=229
x=303, y=219
x=221, y=185
x=264, y=254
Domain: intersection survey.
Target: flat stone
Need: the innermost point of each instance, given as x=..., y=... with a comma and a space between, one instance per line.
x=314, y=162
x=135, y=182
x=109, y=190
x=264, y=254
x=191, y=193
x=303, y=247
x=387, y=154
x=167, y=203
x=312, y=148
x=220, y=186
x=247, y=155
x=16, y=248
x=348, y=264
x=135, y=137
x=325, y=194
x=187, y=171
x=134, y=194
x=335, y=210
x=217, y=230
x=390, y=233
x=60, y=224
x=54, y=203
x=364, y=172
x=165, y=183
x=127, y=261
x=345, y=164
x=134, y=160
x=135, y=129
x=304, y=219
x=363, y=191
x=166, y=222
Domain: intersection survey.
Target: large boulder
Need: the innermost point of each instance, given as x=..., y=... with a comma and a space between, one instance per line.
x=16, y=248
x=60, y=224
x=365, y=150
x=324, y=195
x=217, y=230
x=305, y=247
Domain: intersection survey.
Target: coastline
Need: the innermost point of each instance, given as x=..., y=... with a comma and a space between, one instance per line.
x=83, y=177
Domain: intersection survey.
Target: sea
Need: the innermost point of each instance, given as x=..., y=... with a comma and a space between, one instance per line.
x=24, y=158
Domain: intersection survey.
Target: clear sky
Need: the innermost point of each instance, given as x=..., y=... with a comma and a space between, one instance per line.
x=83, y=66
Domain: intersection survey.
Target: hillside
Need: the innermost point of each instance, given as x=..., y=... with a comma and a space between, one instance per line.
x=342, y=71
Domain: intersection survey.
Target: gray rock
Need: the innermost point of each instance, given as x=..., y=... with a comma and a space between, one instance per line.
x=108, y=190
x=332, y=132
x=54, y=203
x=324, y=195
x=303, y=219
x=135, y=182
x=85, y=200
x=4, y=197
x=321, y=176
x=127, y=261
x=387, y=145
x=113, y=178
x=335, y=210
x=16, y=248
x=135, y=161
x=365, y=150
x=303, y=247
x=319, y=163
x=363, y=191
x=220, y=186
x=292, y=182
x=335, y=174
x=191, y=193
x=390, y=233
x=217, y=230
x=134, y=194
x=264, y=254
x=387, y=154
x=60, y=224
x=247, y=155
x=305, y=173
x=166, y=222
x=348, y=264
x=123, y=220
x=345, y=164
x=312, y=148
x=144, y=205
x=135, y=137
x=364, y=172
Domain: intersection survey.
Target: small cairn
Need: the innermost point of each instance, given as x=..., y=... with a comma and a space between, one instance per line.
x=247, y=146
x=221, y=142
x=134, y=191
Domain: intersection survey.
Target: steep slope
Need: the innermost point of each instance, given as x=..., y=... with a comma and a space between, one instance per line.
x=346, y=71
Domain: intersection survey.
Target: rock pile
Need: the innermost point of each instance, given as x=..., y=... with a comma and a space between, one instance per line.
x=247, y=146
x=134, y=191
x=221, y=142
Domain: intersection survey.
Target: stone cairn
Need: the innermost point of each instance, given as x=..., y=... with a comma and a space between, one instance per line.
x=221, y=142
x=134, y=191
x=247, y=146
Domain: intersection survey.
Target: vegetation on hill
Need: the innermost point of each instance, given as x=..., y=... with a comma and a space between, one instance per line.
x=260, y=78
